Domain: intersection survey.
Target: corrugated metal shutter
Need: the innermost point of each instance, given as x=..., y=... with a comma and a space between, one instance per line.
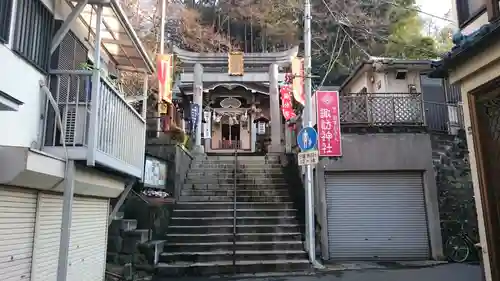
x=376, y=216
x=17, y=228
x=87, y=253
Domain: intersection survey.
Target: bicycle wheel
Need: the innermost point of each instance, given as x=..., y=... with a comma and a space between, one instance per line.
x=457, y=249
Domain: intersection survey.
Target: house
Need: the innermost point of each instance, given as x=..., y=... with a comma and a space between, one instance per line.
x=70, y=142
x=473, y=65
x=387, y=154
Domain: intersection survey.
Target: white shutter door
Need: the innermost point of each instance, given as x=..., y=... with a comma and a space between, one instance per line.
x=17, y=228
x=376, y=216
x=87, y=252
x=89, y=236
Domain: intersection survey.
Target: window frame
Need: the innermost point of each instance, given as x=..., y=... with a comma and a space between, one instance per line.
x=34, y=29
x=464, y=15
x=6, y=12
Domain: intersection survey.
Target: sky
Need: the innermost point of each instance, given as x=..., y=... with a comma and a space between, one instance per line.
x=435, y=7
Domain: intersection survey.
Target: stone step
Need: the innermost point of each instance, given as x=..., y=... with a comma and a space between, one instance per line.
x=239, y=246
x=239, y=181
x=267, y=220
x=229, y=212
x=230, y=198
x=231, y=165
x=228, y=237
x=133, y=238
x=248, y=255
x=244, y=157
x=230, y=169
x=226, y=267
x=119, y=225
x=229, y=186
x=230, y=205
x=229, y=192
x=239, y=175
x=224, y=229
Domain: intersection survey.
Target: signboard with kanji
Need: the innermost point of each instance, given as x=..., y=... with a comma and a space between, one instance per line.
x=310, y=157
x=328, y=121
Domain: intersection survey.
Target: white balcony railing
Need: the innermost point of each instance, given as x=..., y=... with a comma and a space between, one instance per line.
x=115, y=138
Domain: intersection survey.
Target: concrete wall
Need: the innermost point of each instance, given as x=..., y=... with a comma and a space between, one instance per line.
x=384, y=152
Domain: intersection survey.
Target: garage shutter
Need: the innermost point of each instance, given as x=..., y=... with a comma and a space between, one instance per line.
x=17, y=227
x=376, y=216
x=87, y=253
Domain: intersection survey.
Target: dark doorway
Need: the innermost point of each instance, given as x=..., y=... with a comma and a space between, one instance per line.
x=230, y=136
x=231, y=132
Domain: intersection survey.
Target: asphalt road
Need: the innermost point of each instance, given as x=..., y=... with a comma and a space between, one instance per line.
x=455, y=272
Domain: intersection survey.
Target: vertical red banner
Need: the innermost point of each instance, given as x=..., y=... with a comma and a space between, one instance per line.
x=286, y=102
x=328, y=116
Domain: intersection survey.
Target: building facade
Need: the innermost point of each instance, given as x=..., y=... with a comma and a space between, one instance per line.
x=473, y=65
x=386, y=175
x=70, y=140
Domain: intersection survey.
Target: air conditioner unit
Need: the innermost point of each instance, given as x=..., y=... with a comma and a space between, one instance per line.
x=74, y=120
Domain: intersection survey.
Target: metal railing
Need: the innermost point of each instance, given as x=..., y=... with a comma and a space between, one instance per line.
x=442, y=117
x=235, y=207
x=382, y=109
x=118, y=130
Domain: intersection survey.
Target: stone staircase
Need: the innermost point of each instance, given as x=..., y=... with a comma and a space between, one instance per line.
x=199, y=241
x=130, y=253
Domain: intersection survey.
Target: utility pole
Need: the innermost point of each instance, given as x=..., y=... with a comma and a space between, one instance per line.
x=162, y=51
x=308, y=110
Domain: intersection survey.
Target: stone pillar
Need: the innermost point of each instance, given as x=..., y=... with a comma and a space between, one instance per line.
x=198, y=99
x=275, y=109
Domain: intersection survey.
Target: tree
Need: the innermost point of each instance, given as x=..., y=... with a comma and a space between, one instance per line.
x=406, y=39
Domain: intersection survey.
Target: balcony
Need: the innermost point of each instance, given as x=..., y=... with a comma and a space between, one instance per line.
x=443, y=117
x=381, y=109
x=111, y=137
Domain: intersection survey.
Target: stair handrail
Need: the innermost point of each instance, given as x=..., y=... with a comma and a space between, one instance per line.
x=234, y=206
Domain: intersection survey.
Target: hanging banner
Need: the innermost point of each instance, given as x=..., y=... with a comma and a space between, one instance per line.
x=286, y=102
x=328, y=118
x=207, y=126
x=195, y=114
x=298, y=80
x=165, y=71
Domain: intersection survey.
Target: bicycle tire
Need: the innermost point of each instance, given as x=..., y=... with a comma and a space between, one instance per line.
x=457, y=249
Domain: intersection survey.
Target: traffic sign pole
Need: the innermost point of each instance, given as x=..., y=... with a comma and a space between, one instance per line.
x=308, y=115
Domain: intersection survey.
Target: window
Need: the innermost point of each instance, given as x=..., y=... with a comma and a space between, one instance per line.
x=5, y=17
x=34, y=30
x=467, y=9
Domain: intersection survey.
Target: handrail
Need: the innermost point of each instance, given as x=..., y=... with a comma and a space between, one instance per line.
x=234, y=207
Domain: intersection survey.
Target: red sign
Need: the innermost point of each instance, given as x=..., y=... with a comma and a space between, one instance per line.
x=286, y=102
x=328, y=116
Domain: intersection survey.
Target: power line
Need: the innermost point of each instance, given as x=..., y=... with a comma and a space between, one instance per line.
x=418, y=11
x=385, y=38
x=345, y=31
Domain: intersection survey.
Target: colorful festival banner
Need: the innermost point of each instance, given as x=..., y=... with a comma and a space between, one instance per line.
x=328, y=118
x=298, y=80
x=165, y=70
x=286, y=102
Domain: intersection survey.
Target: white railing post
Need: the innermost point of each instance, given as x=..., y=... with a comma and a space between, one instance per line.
x=95, y=95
